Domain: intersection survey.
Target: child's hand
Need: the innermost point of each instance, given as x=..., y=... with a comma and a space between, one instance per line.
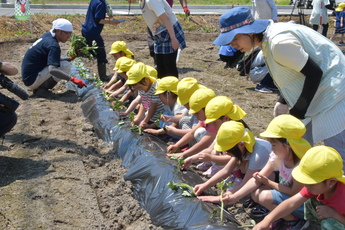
x=260, y=178
x=262, y=226
x=187, y=162
x=123, y=114
x=199, y=188
x=324, y=211
x=228, y=198
x=211, y=199
x=172, y=148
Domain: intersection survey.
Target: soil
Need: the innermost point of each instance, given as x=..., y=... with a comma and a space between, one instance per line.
x=56, y=173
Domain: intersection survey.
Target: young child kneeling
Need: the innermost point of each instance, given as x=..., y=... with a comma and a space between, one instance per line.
x=320, y=170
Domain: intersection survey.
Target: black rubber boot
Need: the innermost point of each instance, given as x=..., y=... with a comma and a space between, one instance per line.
x=43, y=90
x=102, y=71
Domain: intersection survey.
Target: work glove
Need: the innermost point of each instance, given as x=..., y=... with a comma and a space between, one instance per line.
x=280, y=108
x=78, y=82
x=186, y=11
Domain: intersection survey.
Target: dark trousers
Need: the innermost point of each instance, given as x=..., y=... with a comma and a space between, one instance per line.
x=324, y=29
x=7, y=122
x=166, y=65
x=100, y=54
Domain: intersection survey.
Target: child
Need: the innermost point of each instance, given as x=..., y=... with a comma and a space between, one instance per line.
x=285, y=134
x=247, y=155
x=197, y=104
x=339, y=23
x=139, y=79
x=168, y=35
x=118, y=50
x=218, y=110
x=122, y=65
x=320, y=170
x=167, y=92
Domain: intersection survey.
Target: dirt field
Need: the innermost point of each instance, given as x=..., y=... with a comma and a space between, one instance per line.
x=56, y=174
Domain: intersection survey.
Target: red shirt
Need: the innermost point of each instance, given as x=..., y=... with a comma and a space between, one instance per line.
x=337, y=200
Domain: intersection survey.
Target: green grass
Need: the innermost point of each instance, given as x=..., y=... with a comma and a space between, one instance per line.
x=190, y=2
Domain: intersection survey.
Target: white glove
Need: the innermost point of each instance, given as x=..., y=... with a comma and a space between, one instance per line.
x=280, y=108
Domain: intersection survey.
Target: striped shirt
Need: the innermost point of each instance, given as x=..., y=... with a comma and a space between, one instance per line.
x=286, y=48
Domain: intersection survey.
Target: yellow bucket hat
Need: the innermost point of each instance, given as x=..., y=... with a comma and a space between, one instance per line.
x=230, y=134
x=318, y=164
x=151, y=71
x=185, y=88
x=291, y=128
x=123, y=64
x=340, y=7
x=119, y=46
x=199, y=99
x=138, y=72
x=167, y=84
x=220, y=106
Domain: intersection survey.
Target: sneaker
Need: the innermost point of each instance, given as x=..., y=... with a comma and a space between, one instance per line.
x=298, y=224
x=263, y=89
x=249, y=203
x=276, y=224
x=259, y=211
x=341, y=44
x=204, y=166
x=212, y=170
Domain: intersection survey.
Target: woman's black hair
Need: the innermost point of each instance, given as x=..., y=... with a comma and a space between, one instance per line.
x=259, y=37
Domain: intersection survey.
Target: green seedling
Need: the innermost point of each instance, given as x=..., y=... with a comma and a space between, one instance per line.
x=157, y=121
x=188, y=190
x=180, y=161
x=117, y=106
x=222, y=187
x=131, y=116
x=121, y=123
x=136, y=128
x=79, y=48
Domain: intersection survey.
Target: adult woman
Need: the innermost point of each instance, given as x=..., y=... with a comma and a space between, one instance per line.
x=306, y=67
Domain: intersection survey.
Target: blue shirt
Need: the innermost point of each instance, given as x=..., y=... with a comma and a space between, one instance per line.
x=43, y=52
x=227, y=51
x=97, y=10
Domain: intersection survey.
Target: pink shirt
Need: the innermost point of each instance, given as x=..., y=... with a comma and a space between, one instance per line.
x=337, y=200
x=209, y=128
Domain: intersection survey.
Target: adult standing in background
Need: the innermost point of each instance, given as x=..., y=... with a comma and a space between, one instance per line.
x=96, y=17
x=319, y=15
x=150, y=37
x=168, y=35
x=264, y=9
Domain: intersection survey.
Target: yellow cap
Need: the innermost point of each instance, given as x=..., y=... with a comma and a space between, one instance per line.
x=185, y=88
x=138, y=72
x=199, y=99
x=221, y=106
x=291, y=128
x=318, y=164
x=119, y=46
x=123, y=64
x=167, y=84
x=230, y=134
x=151, y=71
x=340, y=7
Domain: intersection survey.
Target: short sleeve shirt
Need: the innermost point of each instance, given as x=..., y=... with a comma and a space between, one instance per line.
x=149, y=97
x=259, y=157
x=337, y=201
x=97, y=10
x=43, y=52
x=209, y=128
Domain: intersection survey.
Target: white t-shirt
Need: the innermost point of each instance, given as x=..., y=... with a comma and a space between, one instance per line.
x=152, y=9
x=259, y=157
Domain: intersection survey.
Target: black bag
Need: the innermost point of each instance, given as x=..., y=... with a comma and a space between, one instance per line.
x=7, y=104
x=244, y=66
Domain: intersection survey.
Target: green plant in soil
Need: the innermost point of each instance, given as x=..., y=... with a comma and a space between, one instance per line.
x=188, y=190
x=251, y=225
x=79, y=48
x=157, y=121
x=222, y=186
x=180, y=161
x=137, y=128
